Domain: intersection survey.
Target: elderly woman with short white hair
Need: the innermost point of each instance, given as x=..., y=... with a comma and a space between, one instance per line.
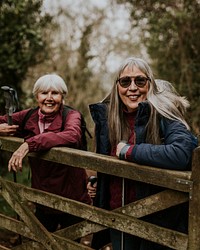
x=43, y=128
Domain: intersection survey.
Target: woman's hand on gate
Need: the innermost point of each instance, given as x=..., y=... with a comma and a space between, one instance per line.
x=15, y=162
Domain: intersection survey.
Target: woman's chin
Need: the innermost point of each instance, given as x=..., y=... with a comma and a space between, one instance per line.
x=48, y=111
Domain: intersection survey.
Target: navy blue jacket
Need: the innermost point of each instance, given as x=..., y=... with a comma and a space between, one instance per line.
x=178, y=143
x=175, y=153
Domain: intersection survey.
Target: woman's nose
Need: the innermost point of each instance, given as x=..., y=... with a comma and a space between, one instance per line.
x=49, y=95
x=133, y=86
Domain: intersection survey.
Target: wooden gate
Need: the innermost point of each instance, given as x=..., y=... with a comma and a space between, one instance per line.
x=180, y=186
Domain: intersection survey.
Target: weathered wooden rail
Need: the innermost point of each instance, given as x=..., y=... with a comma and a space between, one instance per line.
x=181, y=186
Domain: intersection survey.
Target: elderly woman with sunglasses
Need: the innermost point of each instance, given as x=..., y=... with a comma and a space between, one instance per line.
x=138, y=123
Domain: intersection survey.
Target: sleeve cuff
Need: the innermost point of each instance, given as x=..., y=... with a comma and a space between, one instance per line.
x=128, y=153
x=122, y=155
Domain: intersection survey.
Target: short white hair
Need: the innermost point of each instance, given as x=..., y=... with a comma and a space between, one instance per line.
x=50, y=81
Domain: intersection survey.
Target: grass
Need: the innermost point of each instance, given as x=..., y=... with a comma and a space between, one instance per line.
x=22, y=178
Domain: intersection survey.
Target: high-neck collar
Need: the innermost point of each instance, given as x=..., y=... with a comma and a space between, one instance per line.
x=46, y=117
x=45, y=120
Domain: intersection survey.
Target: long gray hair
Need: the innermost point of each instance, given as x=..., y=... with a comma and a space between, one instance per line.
x=163, y=100
x=173, y=105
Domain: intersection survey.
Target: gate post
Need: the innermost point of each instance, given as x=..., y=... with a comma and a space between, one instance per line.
x=194, y=204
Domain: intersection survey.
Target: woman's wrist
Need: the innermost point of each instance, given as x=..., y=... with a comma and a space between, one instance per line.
x=124, y=150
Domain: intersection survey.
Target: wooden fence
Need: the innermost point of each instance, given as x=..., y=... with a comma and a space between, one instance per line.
x=181, y=186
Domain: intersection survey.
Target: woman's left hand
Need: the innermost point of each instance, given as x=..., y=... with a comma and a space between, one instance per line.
x=15, y=162
x=92, y=189
x=119, y=148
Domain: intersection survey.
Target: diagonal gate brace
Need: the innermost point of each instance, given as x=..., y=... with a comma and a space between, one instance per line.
x=40, y=232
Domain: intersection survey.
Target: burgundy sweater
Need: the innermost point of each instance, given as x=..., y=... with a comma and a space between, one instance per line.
x=67, y=181
x=116, y=182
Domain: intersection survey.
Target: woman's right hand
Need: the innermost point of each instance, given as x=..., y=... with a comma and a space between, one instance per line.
x=92, y=188
x=6, y=129
x=15, y=162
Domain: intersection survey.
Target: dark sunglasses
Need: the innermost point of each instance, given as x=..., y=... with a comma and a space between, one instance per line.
x=140, y=81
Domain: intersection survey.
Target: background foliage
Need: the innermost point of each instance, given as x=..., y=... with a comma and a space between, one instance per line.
x=85, y=44
x=22, y=43
x=170, y=32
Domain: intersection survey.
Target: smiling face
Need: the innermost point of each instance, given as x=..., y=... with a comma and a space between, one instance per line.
x=49, y=101
x=132, y=95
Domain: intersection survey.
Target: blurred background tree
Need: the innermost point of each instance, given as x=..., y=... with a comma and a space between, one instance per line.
x=170, y=33
x=22, y=42
x=85, y=44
